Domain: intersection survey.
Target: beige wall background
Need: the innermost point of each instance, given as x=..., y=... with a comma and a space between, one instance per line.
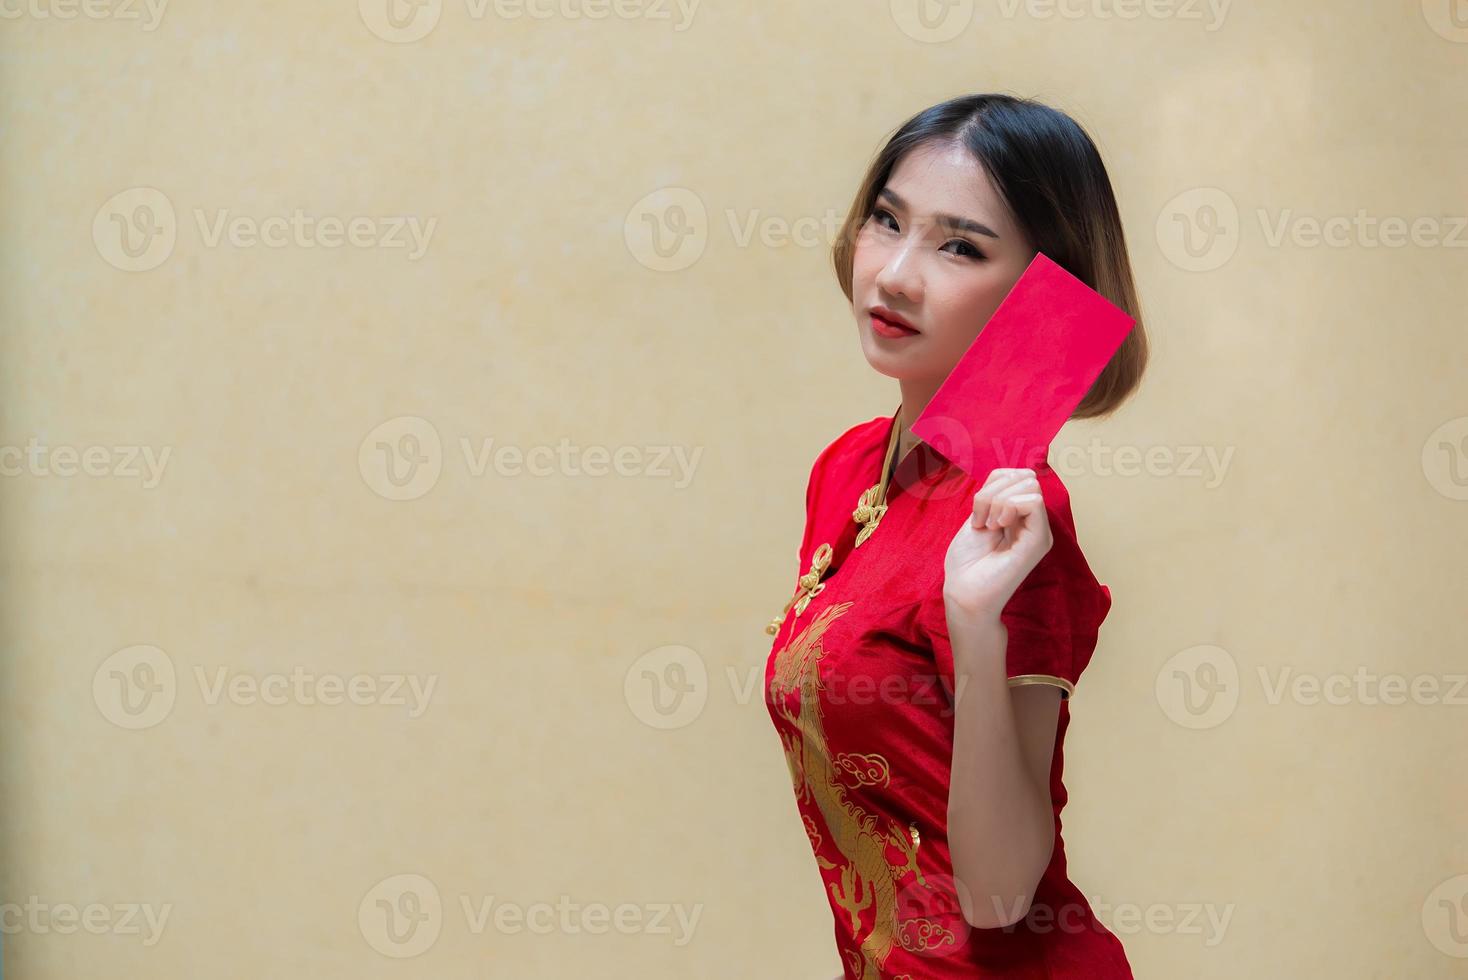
x=253, y=492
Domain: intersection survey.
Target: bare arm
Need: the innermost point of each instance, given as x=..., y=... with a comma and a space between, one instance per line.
x=1001, y=828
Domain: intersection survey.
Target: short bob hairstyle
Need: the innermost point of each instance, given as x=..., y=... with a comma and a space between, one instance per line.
x=1051, y=176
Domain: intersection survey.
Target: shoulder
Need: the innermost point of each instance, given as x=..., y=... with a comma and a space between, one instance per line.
x=847, y=451
x=855, y=441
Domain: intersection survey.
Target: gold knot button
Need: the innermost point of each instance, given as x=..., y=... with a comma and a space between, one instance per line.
x=868, y=513
x=810, y=585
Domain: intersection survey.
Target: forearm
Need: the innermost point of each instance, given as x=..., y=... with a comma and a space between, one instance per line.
x=1000, y=823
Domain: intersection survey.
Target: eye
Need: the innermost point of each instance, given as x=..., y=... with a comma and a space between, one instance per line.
x=965, y=243
x=881, y=215
x=878, y=214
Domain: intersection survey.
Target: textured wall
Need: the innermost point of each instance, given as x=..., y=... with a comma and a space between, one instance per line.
x=289, y=644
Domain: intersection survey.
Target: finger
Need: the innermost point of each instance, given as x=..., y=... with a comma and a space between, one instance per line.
x=998, y=481
x=1019, y=484
x=1019, y=509
x=998, y=474
x=1003, y=475
x=1027, y=509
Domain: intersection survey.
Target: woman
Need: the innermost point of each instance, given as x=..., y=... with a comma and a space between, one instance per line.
x=920, y=676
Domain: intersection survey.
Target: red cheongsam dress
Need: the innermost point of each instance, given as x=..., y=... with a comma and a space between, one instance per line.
x=859, y=684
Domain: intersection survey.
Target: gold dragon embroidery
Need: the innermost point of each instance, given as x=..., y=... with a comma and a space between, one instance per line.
x=867, y=879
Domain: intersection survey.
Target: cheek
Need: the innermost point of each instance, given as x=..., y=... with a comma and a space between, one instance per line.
x=964, y=312
x=867, y=258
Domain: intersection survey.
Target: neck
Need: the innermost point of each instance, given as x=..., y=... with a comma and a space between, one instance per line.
x=915, y=398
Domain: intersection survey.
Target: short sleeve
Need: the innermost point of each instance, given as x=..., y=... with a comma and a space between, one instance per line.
x=1050, y=620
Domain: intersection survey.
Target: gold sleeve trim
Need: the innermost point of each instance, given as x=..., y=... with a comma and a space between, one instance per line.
x=1066, y=687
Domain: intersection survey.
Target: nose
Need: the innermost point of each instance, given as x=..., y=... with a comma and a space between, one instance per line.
x=900, y=275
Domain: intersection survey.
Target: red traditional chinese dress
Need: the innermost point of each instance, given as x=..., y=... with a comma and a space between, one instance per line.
x=859, y=684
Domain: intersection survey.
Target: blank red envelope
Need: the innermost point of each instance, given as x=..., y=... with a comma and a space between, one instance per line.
x=1025, y=372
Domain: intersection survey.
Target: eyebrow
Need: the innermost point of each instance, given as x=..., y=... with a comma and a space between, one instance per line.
x=950, y=220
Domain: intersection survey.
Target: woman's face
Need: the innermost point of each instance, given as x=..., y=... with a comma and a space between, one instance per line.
x=940, y=250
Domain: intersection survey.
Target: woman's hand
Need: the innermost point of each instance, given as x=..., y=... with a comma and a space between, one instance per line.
x=998, y=546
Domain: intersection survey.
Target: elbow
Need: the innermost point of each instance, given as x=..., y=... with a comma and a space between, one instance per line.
x=1000, y=913
x=993, y=921
x=997, y=905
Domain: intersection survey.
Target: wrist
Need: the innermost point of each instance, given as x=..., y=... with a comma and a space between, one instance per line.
x=971, y=630
x=968, y=614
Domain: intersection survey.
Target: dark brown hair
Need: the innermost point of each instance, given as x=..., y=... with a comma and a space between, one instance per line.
x=1049, y=173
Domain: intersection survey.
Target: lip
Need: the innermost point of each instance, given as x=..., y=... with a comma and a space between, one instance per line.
x=890, y=316
x=888, y=324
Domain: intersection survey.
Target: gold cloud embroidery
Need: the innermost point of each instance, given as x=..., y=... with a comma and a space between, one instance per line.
x=924, y=935
x=866, y=769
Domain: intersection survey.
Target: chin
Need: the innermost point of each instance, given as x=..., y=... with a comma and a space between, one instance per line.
x=894, y=366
